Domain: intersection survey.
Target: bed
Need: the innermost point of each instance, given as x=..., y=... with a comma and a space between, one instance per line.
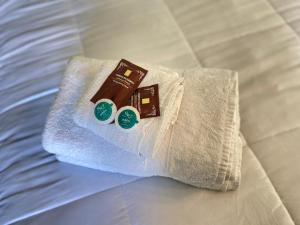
x=260, y=39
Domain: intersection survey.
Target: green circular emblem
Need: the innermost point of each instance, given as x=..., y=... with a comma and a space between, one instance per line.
x=103, y=111
x=127, y=119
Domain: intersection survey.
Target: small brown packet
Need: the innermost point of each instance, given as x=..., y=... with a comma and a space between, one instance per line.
x=146, y=101
x=121, y=83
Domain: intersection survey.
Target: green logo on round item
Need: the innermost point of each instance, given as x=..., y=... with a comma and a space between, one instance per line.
x=127, y=119
x=103, y=111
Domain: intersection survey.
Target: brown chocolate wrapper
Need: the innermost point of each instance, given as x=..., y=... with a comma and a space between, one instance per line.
x=146, y=101
x=120, y=85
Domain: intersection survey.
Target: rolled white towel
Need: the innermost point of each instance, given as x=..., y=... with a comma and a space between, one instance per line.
x=150, y=131
x=202, y=148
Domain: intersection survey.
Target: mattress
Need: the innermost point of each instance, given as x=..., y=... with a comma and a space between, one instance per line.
x=258, y=38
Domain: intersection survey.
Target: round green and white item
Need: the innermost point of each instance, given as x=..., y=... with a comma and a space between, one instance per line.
x=127, y=118
x=105, y=111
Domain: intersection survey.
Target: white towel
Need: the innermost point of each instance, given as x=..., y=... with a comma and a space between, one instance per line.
x=205, y=147
x=63, y=136
x=202, y=148
x=151, y=131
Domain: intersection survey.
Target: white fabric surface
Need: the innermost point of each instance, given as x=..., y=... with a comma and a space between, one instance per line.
x=150, y=133
x=63, y=136
x=207, y=131
x=251, y=37
x=206, y=140
x=264, y=47
x=153, y=201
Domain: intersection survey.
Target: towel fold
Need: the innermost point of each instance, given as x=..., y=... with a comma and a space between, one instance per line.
x=205, y=147
x=151, y=131
x=201, y=148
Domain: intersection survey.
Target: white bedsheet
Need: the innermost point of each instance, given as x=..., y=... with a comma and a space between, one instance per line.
x=153, y=201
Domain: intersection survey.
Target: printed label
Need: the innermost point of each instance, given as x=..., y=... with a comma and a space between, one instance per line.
x=146, y=101
x=121, y=83
x=127, y=119
x=103, y=111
